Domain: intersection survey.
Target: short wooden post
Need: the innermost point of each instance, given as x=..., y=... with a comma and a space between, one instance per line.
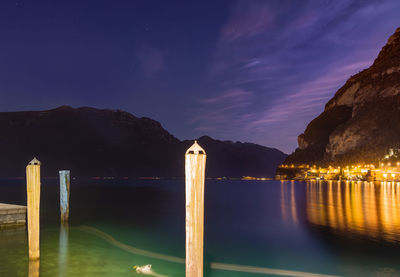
x=64, y=194
x=33, y=198
x=195, y=164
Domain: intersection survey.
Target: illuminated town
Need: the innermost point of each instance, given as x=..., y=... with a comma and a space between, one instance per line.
x=385, y=169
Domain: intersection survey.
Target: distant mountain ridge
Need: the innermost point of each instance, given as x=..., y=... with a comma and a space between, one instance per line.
x=102, y=142
x=362, y=121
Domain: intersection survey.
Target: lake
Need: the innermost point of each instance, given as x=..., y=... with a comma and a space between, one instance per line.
x=275, y=228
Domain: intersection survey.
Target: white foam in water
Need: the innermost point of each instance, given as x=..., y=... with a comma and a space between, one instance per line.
x=146, y=270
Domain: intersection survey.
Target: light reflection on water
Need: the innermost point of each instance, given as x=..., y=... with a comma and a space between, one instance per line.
x=63, y=249
x=273, y=228
x=370, y=209
x=288, y=202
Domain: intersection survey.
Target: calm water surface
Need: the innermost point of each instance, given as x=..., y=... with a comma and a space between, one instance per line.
x=251, y=228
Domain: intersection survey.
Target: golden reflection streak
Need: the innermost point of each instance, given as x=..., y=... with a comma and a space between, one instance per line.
x=293, y=203
x=320, y=204
x=339, y=208
x=395, y=210
x=283, y=202
x=384, y=212
x=371, y=208
x=331, y=206
x=311, y=204
x=358, y=211
x=348, y=214
x=214, y=265
x=366, y=208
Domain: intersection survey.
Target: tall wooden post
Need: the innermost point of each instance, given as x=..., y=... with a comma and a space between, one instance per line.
x=33, y=197
x=64, y=194
x=195, y=164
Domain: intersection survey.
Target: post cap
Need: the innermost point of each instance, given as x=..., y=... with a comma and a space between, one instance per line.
x=195, y=149
x=34, y=162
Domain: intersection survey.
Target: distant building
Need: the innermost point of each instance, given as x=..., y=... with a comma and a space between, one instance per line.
x=389, y=166
x=392, y=159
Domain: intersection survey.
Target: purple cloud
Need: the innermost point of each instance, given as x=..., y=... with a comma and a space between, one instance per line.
x=222, y=112
x=151, y=61
x=307, y=99
x=292, y=60
x=247, y=20
x=235, y=95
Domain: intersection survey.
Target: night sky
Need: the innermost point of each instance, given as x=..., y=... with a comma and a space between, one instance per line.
x=255, y=71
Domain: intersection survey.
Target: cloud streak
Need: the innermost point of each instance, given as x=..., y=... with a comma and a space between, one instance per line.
x=292, y=61
x=306, y=100
x=223, y=111
x=247, y=20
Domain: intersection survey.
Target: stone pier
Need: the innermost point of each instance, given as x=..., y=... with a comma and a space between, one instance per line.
x=12, y=215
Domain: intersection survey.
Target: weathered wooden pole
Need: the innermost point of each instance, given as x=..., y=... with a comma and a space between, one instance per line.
x=195, y=164
x=64, y=194
x=33, y=198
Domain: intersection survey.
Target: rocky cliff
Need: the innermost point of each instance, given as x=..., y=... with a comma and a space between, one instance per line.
x=362, y=120
x=93, y=142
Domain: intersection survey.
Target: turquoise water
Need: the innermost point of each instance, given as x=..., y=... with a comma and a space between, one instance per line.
x=252, y=228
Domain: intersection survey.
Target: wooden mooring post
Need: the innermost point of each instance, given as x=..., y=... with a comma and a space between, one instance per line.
x=64, y=194
x=195, y=164
x=33, y=207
